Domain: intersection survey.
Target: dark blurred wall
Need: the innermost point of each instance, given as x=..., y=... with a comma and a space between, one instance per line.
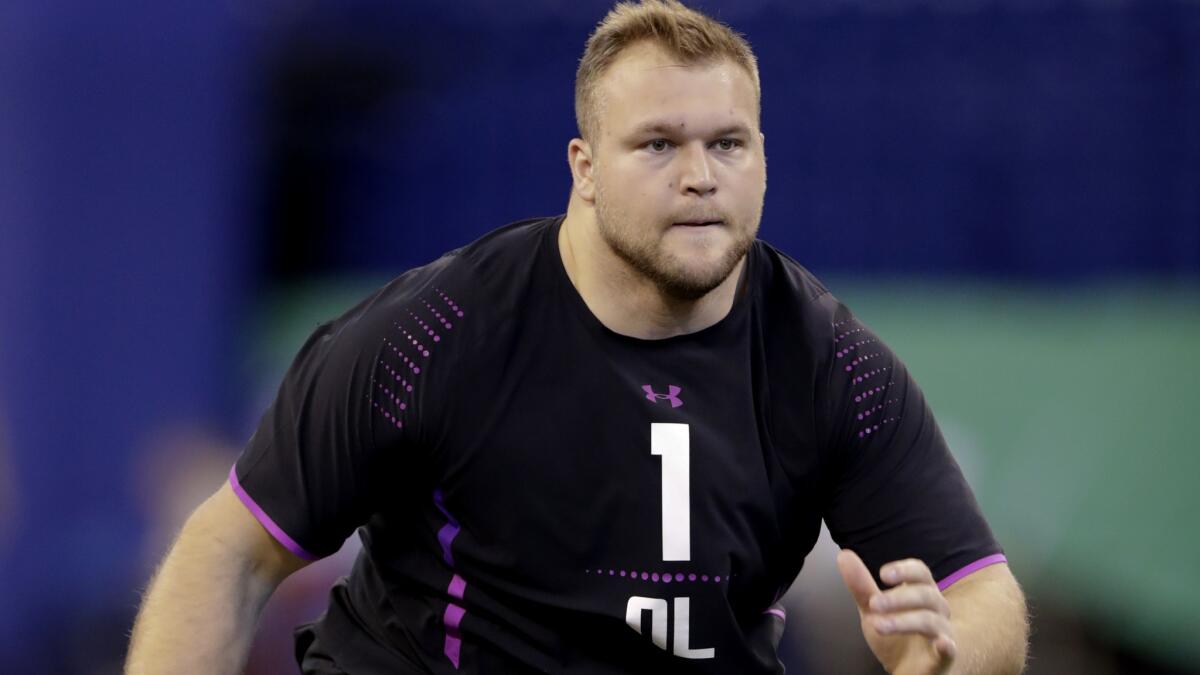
x=161, y=165
x=1048, y=140
x=121, y=169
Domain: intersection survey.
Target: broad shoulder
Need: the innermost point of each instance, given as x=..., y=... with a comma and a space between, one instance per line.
x=486, y=277
x=793, y=301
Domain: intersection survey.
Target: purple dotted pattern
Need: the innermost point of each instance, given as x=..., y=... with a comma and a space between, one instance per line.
x=405, y=384
x=846, y=334
x=660, y=577
x=400, y=357
x=862, y=396
x=411, y=364
x=440, y=317
x=450, y=303
x=859, y=379
x=845, y=351
x=387, y=415
x=425, y=327
x=875, y=408
x=392, y=396
x=872, y=429
x=872, y=411
x=421, y=349
x=861, y=360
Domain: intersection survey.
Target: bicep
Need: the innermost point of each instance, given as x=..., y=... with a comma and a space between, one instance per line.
x=992, y=591
x=991, y=620
x=227, y=523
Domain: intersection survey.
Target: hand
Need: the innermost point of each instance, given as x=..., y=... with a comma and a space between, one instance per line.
x=907, y=626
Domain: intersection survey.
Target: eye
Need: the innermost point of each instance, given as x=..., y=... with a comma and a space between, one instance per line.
x=658, y=145
x=727, y=144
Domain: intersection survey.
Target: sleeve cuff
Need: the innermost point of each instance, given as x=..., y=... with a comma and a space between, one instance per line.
x=973, y=567
x=261, y=516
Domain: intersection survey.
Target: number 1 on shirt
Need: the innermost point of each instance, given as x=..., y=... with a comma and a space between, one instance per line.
x=670, y=441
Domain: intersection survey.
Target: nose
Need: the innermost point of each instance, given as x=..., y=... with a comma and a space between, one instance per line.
x=697, y=177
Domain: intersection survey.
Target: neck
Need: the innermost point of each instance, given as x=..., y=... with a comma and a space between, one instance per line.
x=624, y=300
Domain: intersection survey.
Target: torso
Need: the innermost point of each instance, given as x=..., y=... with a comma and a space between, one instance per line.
x=558, y=473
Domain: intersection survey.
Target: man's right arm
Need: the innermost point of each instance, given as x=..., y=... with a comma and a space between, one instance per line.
x=203, y=605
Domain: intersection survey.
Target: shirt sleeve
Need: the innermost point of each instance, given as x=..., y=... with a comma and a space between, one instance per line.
x=898, y=492
x=311, y=472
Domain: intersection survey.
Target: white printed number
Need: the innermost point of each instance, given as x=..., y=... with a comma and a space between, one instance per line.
x=671, y=442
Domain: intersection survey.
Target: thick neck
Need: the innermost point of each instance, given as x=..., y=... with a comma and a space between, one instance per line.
x=620, y=297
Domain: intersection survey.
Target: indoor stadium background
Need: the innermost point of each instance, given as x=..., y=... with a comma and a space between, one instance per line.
x=1007, y=190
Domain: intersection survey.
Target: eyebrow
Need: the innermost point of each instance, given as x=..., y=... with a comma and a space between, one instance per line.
x=662, y=127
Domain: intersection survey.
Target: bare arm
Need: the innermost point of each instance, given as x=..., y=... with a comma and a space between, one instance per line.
x=203, y=605
x=978, y=626
x=991, y=626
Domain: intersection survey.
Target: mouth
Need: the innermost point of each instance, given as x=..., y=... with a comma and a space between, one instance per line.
x=698, y=223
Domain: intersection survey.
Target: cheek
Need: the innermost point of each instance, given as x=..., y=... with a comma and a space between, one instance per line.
x=635, y=191
x=751, y=186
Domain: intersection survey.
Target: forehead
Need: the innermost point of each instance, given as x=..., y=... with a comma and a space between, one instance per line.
x=645, y=82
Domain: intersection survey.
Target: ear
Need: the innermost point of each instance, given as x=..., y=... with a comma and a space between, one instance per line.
x=579, y=157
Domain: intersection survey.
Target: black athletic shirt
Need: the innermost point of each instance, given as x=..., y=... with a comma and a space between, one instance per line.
x=540, y=494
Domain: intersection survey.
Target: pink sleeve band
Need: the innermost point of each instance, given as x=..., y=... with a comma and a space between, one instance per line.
x=265, y=520
x=973, y=567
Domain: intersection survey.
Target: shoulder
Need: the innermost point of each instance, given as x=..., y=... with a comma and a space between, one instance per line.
x=445, y=309
x=794, y=302
x=782, y=273
x=505, y=250
x=435, y=325
x=809, y=342
x=479, y=278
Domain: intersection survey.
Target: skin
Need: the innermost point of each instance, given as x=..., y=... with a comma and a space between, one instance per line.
x=201, y=609
x=977, y=625
x=676, y=144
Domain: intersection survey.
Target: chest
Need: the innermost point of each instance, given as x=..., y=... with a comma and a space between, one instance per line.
x=560, y=462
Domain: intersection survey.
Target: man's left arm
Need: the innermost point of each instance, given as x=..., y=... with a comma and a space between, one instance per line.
x=990, y=620
x=976, y=626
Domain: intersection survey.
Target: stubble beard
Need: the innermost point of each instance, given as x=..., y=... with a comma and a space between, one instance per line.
x=645, y=256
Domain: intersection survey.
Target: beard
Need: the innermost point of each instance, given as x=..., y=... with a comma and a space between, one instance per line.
x=640, y=246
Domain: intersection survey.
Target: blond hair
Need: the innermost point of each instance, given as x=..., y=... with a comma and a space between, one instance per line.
x=682, y=32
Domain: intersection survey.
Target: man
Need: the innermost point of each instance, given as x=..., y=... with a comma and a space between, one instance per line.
x=602, y=442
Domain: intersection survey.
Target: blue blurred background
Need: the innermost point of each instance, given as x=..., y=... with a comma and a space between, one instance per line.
x=1007, y=190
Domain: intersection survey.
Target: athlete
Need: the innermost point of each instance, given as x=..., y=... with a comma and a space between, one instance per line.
x=602, y=442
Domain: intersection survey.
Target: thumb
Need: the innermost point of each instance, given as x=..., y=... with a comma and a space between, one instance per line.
x=857, y=578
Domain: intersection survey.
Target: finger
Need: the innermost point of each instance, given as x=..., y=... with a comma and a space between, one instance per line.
x=857, y=578
x=908, y=571
x=911, y=596
x=915, y=622
x=946, y=648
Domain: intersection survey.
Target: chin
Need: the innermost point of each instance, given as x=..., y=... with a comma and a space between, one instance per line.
x=694, y=281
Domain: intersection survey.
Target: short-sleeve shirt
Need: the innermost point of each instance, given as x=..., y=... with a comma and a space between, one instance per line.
x=537, y=493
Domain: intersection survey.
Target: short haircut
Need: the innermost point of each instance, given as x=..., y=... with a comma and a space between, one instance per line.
x=684, y=33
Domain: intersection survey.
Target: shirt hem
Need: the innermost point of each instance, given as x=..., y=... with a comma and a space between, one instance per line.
x=970, y=569
x=261, y=516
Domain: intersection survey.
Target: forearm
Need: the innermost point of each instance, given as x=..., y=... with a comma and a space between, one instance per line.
x=991, y=627
x=202, y=607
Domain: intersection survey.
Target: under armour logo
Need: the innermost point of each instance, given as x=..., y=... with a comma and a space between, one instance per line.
x=672, y=395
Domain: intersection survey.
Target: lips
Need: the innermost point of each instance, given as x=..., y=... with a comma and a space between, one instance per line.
x=698, y=223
